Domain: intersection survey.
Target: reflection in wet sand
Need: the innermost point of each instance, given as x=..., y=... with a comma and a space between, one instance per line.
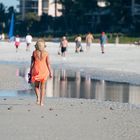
x=134, y=95
x=75, y=86
x=100, y=90
x=49, y=88
x=87, y=87
x=71, y=84
x=63, y=84
x=117, y=92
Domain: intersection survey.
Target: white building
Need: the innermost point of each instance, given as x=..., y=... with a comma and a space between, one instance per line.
x=52, y=7
x=39, y=7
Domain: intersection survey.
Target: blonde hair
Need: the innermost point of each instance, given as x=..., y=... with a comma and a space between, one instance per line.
x=40, y=44
x=63, y=38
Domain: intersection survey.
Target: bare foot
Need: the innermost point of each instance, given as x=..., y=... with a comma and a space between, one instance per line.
x=37, y=102
x=41, y=104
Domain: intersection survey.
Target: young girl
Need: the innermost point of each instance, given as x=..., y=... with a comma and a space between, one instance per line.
x=17, y=42
x=40, y=70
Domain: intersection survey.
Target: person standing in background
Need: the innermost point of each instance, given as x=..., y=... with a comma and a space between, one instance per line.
x=17, y=42
x=103, y=41
x=117, y=40
x=78, y=41
x=63, y=46
x=2, y=36
x=89, y=40
x=28, y=42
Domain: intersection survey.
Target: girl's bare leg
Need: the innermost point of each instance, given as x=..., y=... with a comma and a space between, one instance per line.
x=42, y=94
x=37, y=92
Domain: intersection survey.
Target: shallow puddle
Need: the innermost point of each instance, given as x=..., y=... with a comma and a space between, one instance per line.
x=70, y=84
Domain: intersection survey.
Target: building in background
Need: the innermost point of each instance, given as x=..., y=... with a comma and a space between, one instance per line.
x=135, y=7
x=54, y=8
x=50, y=7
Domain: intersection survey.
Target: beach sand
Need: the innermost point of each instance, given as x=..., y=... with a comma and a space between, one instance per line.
x=10, y=78
x=72, y=119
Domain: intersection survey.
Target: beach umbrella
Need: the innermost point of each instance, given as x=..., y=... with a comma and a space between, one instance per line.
x=11, y=30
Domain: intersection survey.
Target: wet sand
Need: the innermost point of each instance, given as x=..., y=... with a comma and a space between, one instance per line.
x=10, y=79
x=72, y=119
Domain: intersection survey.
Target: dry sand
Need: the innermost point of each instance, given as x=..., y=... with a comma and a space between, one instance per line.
x=69, y=119
x=72, y=119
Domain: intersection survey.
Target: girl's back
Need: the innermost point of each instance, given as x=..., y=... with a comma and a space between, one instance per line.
x=40, y=69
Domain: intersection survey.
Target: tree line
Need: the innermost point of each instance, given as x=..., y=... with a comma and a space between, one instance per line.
x=78, y=17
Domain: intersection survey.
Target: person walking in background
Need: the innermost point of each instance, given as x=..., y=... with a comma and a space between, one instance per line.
x=28, y=42
x=103, y=41
x=2, y=36
x=78, y=41
x=89, y=40
x=40, y=70
x=117, y=40
x=17, y=42
x=63, y=46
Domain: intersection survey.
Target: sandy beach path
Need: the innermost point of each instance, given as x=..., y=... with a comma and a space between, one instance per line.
x=67, y=119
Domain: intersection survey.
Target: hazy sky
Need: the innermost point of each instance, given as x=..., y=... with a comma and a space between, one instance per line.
x=10, y=3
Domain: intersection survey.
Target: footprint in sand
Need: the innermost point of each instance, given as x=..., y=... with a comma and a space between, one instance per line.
x=50, y=109
x=9, y=108
x=111, y=108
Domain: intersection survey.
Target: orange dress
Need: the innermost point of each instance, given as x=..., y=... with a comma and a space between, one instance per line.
x=40, y=70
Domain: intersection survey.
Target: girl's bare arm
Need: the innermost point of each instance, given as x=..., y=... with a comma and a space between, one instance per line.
x=49, y=67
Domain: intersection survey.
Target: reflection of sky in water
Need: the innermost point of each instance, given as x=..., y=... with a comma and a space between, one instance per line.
x=13, y=93
x=9, y=93
x=70, y=84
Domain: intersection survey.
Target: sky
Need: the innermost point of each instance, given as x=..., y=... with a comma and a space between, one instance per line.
x=10, y=3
